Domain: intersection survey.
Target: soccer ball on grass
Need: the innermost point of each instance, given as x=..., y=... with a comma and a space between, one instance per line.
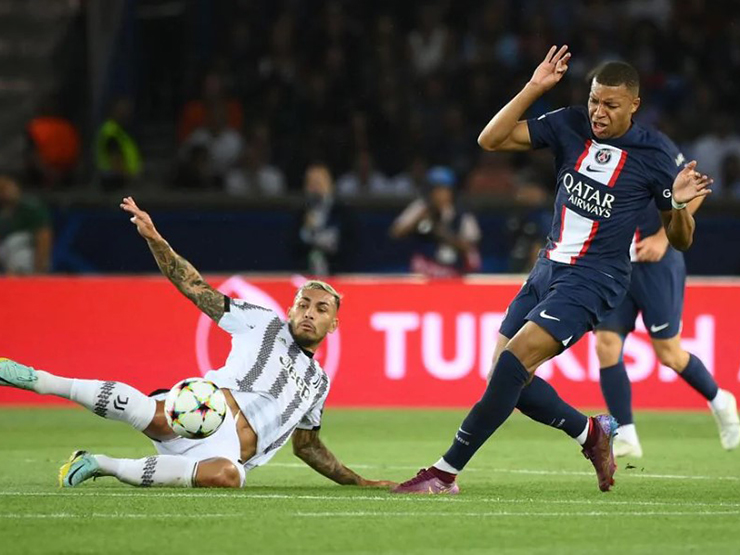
x=195, y=408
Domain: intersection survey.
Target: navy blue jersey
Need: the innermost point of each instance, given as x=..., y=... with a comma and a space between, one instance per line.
x=603, y=186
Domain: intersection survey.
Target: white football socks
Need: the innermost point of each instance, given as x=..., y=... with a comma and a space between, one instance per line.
x=444, y=466
x=720, y=400
x=111, y=400
x=160, y=470
x=583, y=436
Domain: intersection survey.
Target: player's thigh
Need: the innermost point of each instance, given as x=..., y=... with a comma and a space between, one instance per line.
x=531, y=293
x=670, y=353
x=223, y=443
x=159, y=429
x=576, y=301
x=608, y=347
x=219, y=472
x=533, y=345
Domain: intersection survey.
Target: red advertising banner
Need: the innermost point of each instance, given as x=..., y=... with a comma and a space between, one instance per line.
x=400, y=343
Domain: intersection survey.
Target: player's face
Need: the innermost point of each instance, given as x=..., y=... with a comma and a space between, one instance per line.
x=312, y=316
x=610, y=110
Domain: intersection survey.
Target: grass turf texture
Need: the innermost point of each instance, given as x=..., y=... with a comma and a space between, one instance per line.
x=528, y=490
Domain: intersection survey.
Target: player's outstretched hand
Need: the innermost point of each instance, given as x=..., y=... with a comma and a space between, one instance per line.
x=378, y=484
x=552, y=68
x=690, y=184
x=140, y=219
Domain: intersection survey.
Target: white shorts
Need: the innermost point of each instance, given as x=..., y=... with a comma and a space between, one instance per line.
x=224, y=442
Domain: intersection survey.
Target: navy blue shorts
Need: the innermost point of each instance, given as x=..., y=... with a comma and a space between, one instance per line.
x=565, y=300
x=656, y=290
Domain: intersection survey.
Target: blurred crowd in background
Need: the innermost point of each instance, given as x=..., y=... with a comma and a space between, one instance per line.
x=247, y=97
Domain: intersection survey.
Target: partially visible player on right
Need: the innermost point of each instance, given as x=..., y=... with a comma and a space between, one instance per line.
x=656, y=290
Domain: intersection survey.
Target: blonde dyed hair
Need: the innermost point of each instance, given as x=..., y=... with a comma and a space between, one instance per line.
x=322, y=286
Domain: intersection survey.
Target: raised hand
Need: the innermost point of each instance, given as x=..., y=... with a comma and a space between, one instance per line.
x=690, y=184
x=140, y=219
x=552, y=68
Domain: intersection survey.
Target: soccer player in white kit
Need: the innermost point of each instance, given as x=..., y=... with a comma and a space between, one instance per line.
x=273, y=386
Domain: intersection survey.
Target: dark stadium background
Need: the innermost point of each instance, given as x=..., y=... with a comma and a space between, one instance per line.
x=327, y=80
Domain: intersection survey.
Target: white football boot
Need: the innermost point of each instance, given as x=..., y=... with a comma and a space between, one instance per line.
x=727, y=421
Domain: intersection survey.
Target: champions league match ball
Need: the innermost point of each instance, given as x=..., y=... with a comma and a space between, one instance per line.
x=195, y=408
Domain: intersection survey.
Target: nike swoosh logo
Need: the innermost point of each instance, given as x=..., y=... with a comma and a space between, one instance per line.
x=75, y=471
x=656, y=329
x=463, y=431
x=546, y=316
x=594, y=170
x=566, y=341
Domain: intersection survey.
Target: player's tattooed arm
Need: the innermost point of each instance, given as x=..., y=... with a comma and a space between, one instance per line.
x=187, y=279
x=310, y=449
x=178, y=270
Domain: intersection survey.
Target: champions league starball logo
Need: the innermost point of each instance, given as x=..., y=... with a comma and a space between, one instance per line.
x=238, y=288
x=603, y=156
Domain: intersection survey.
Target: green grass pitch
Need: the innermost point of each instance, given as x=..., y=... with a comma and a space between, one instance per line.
x=529, y=490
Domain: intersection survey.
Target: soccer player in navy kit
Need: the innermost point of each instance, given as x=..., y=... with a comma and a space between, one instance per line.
x=656, y=290
x=608, y=170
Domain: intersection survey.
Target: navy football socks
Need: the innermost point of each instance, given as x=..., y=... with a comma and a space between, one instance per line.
x=697, y=376
x=539, y=401
x=617, y=391
x=496, y=405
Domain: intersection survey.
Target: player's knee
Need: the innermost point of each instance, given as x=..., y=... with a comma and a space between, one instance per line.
x=608, y=349
x=672, y=359
x=229, y=477
x=224, y=474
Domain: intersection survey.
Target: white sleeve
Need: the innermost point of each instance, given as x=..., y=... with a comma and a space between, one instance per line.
x=240, y=316
x=312, y=419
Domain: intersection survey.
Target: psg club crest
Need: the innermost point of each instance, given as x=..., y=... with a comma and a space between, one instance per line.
x=211, y=349
x=603, y=156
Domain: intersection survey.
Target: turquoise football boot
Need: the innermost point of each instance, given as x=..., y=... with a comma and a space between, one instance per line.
x=14, y=374
x=80, y=467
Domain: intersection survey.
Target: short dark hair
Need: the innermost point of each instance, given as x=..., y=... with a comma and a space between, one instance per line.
x=613, y=74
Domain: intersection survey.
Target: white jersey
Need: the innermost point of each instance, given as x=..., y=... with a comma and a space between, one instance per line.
x=277, y=385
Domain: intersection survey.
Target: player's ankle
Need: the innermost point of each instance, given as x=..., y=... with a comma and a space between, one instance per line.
x=591, y=435
x=446, y=477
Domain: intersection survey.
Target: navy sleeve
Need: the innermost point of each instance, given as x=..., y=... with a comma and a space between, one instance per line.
x=544, y=130
x=668, y=164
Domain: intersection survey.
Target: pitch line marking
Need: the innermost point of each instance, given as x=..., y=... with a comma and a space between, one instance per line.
x=382, y=497
x=362, y=514
x=118, y=515
x=509, y=513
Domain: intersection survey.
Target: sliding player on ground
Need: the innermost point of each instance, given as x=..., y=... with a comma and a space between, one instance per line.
x=274, y=389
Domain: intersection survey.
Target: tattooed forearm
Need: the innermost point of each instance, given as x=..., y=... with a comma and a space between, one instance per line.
x=187, y=279
x=308, y=447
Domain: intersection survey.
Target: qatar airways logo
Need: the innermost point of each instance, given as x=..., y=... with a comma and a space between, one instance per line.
x=210, y=353
x=475, y=341
x=587, y=197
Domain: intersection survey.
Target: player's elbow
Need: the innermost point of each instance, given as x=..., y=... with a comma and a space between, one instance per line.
x=681, y=241
x=300, y=449
x=486, y=143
